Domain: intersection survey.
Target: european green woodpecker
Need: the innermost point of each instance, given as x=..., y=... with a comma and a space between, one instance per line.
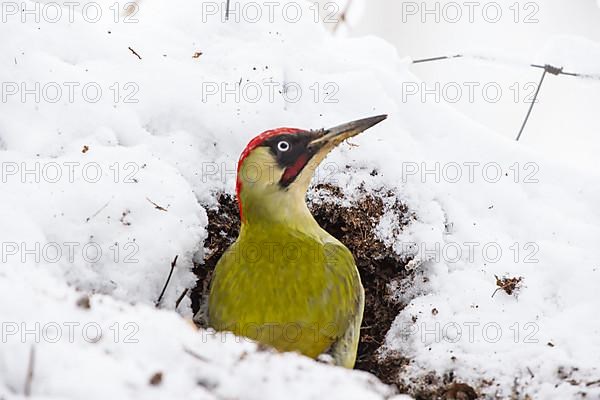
x=285, y=281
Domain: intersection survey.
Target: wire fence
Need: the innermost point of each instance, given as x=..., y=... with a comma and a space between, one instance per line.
x=547, y=68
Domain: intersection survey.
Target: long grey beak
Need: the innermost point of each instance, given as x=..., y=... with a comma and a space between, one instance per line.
x=338, y=134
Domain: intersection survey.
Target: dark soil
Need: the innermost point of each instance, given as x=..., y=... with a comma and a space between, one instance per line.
x=378, y=264
x=509, y=285
x=223, y=228
x=433, y=386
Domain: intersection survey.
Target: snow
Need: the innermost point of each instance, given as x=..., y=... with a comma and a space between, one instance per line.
x=564, y=34
x=165, y=152
x=553, y=219
x=82, y=219
x=115, y=348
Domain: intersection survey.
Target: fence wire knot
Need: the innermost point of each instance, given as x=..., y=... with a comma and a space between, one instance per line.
x=553, y=70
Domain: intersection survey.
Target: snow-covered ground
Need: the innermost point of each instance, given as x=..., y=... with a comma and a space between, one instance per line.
x=115, y=133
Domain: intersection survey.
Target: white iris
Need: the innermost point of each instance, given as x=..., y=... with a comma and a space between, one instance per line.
x=283, y=146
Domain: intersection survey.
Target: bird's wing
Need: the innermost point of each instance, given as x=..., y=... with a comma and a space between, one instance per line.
x=347, y=297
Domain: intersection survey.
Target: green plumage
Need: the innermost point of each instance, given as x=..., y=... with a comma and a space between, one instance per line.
x=294, y=290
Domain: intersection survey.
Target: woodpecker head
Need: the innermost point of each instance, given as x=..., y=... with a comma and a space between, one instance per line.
x=276, y=167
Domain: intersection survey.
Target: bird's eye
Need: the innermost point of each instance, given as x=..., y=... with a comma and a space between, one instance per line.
x=283, y=146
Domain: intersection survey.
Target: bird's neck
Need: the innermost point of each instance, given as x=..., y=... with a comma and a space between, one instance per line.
x=285, y=209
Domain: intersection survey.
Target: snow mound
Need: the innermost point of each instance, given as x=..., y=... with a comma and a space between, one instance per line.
x=155, y=106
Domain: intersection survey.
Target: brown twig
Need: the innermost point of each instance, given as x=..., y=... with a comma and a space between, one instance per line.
x=99, y=211
x=173, y=264
x=180, y=298
x=134, y=52
x=195, y=355
x=342, y=16
x=156, y=205
x=29, y=377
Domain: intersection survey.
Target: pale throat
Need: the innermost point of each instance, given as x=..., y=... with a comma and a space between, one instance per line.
x=264, y=201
